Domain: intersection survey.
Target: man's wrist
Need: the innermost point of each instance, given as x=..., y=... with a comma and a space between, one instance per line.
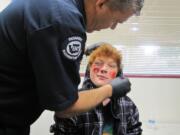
x=108, y=88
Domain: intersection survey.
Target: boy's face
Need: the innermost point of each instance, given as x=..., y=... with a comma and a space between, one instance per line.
x=103, y=70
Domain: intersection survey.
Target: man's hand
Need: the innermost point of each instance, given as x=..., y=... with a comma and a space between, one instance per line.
x=120, y=86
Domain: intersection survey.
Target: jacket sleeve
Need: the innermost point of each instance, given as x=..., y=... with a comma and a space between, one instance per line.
x=134, y=125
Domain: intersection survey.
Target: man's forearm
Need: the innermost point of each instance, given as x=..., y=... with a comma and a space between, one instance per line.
x=87, y=100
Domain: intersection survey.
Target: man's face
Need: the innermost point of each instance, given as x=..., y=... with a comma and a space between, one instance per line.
x=103, y=70
x=104, y=17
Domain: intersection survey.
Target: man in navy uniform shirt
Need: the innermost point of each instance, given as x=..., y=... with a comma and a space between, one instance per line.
x=41, y=46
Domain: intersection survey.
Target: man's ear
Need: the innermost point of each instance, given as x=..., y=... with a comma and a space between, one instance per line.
x=101, y=3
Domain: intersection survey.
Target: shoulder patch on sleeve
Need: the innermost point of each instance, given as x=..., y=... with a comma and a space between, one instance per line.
x=72, y=48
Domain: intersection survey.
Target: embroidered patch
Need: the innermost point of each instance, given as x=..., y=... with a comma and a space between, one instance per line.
x=73, y=47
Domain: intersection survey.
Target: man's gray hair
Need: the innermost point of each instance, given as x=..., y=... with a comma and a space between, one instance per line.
x=125, y=5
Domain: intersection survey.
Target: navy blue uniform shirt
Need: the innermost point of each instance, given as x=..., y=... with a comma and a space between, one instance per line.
x=41, y=45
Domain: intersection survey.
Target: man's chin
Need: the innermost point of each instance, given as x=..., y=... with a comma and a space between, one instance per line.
x=90, y=31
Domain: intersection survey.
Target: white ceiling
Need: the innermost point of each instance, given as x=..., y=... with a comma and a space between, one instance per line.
x=159, y=24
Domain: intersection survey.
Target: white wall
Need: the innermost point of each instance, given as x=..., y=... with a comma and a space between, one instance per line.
x=157, y=98
x=42, y=125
